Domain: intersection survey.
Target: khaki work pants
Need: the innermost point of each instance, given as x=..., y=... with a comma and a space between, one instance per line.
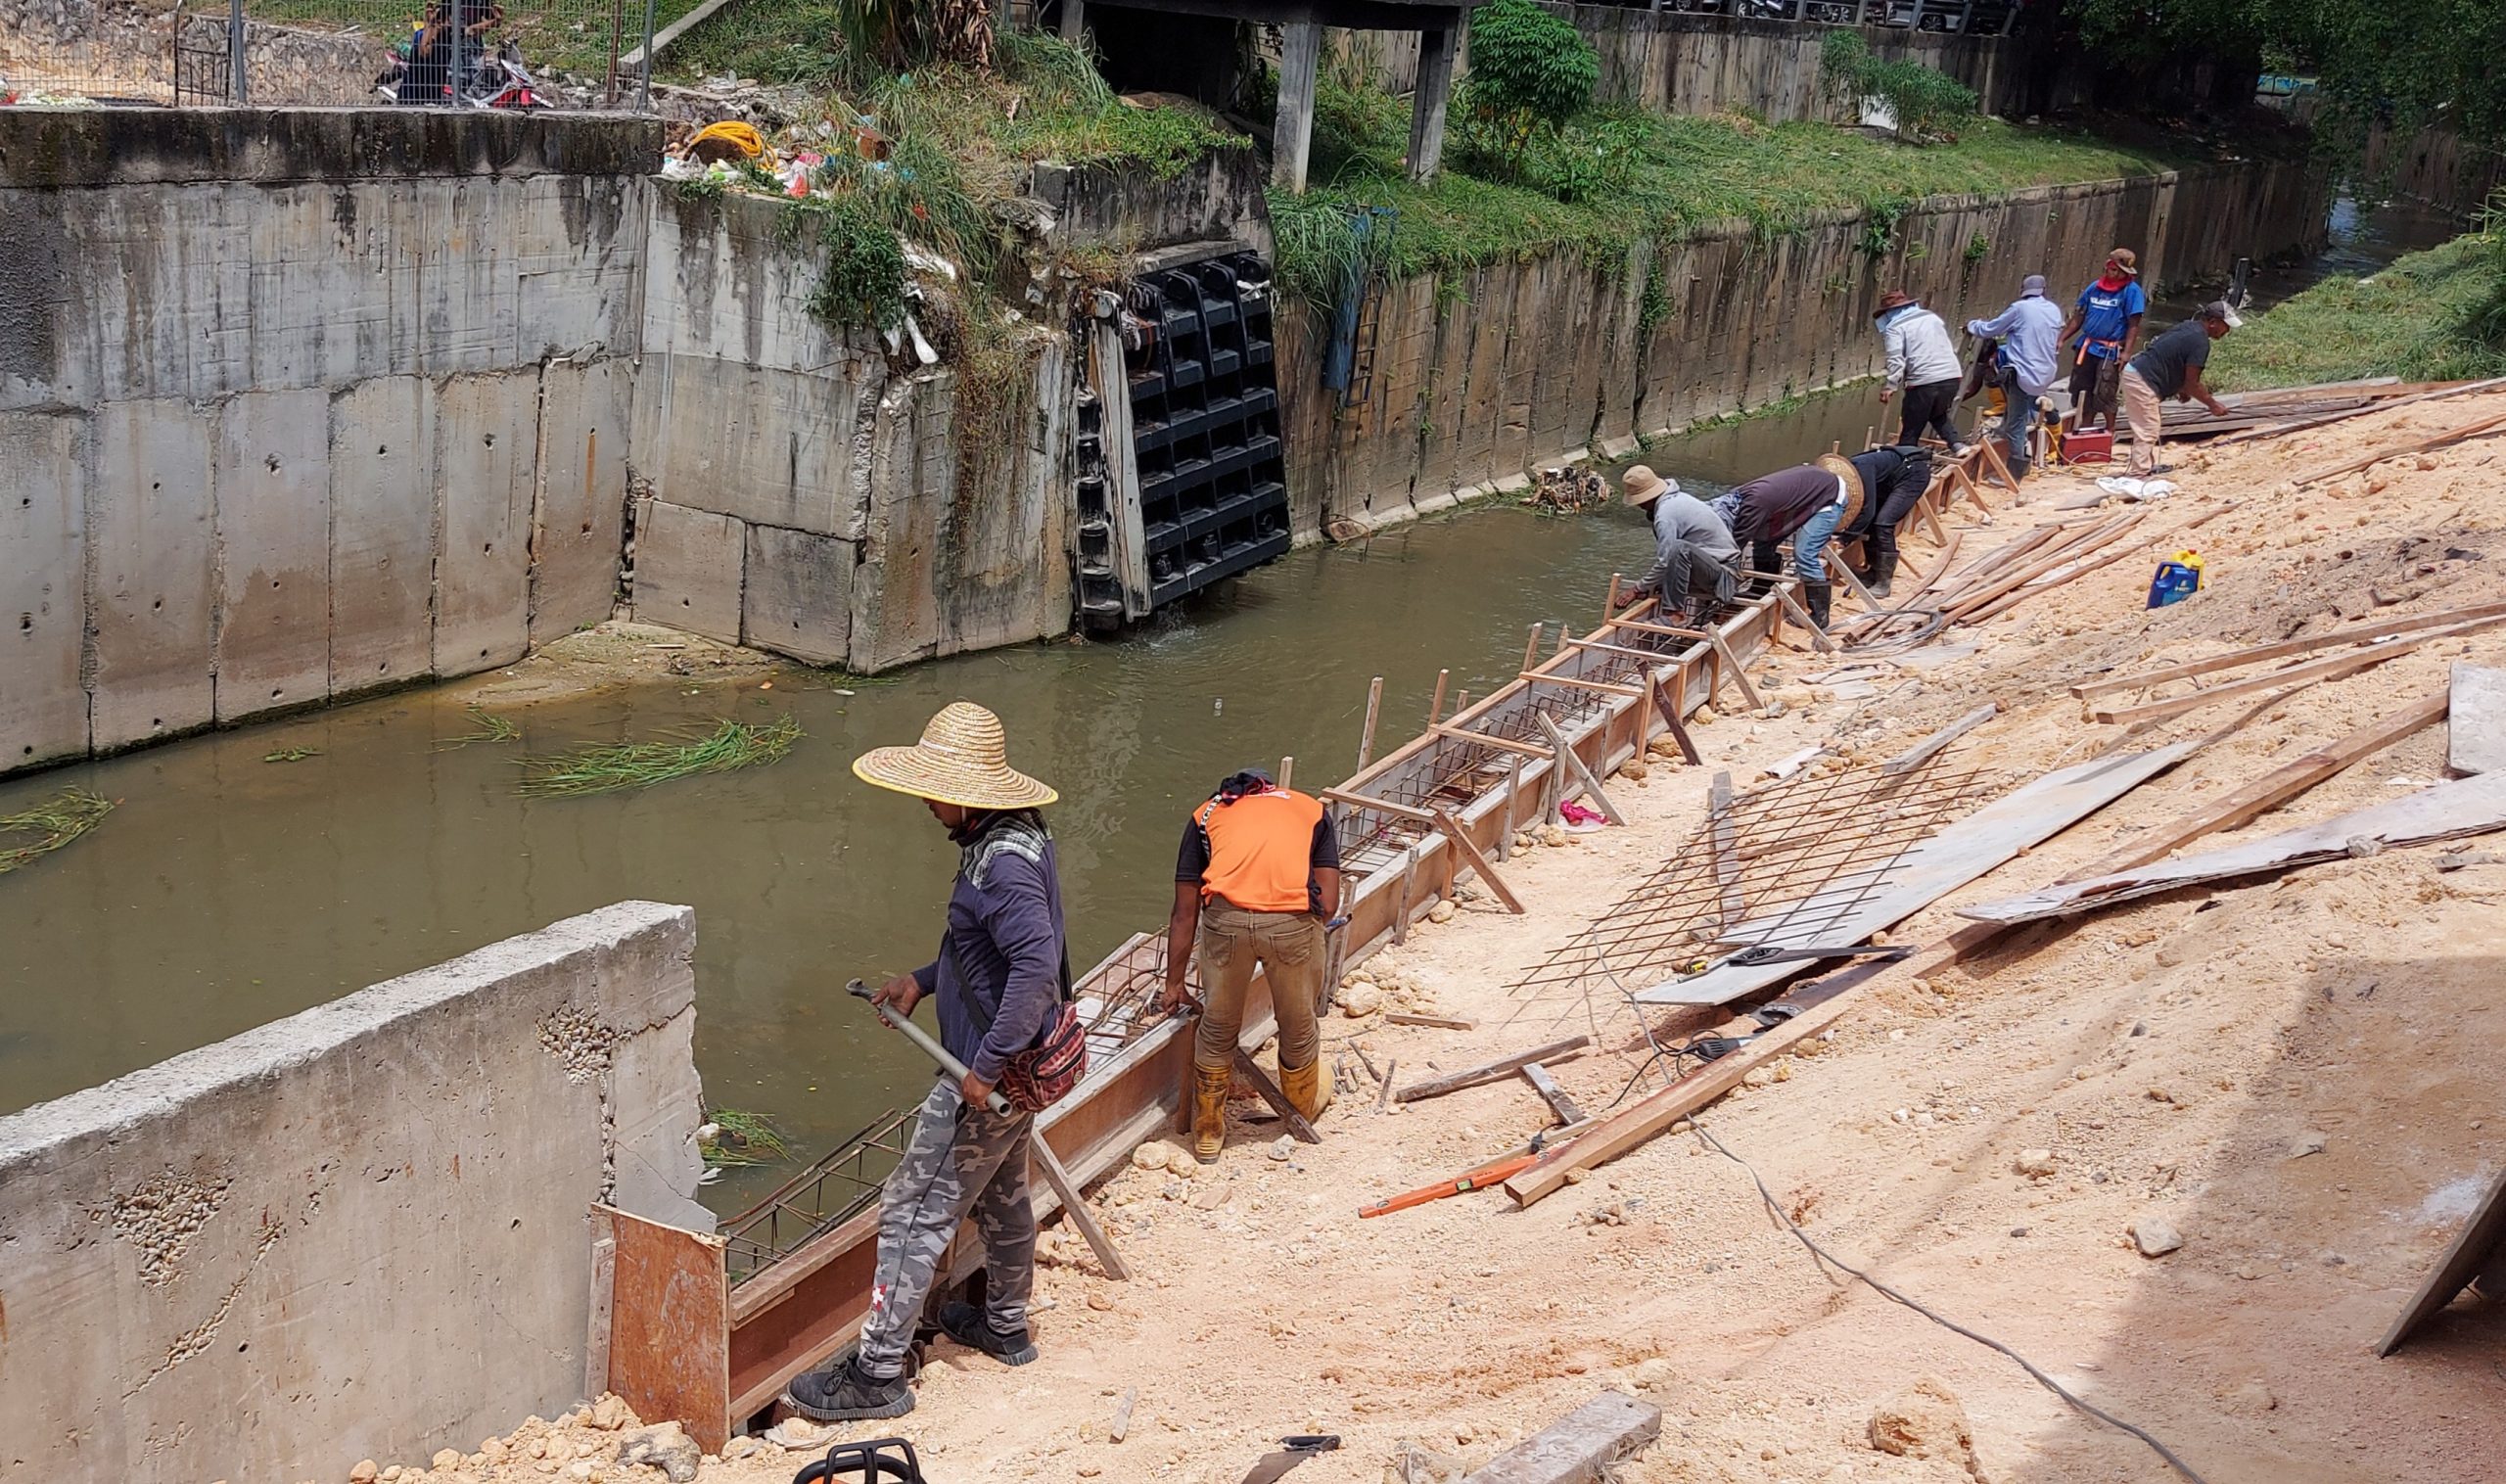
x=1289, y=947
x=2142, y=409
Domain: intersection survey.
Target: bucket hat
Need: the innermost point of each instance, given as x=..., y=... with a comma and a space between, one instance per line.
x=962, y=759
x=1643, y=487
x=1842, y=468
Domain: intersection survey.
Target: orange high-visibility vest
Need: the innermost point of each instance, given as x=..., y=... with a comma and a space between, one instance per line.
x=1260, y=849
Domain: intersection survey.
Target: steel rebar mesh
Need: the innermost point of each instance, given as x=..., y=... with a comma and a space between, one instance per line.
x=1787, y=861
x=837, y=1187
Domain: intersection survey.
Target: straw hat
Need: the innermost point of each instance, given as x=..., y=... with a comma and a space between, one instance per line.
x=1644, y=486
x=1894, y=298
x=962, y=759
x=1842, y=468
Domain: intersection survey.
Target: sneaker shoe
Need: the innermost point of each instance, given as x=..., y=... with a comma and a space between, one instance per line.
x=848, y=1394
x=966, y=1324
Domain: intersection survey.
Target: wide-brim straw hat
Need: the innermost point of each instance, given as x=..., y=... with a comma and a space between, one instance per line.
x=1894, y=298
x=962, y=759
x=1643, y=487
x=1842, y=468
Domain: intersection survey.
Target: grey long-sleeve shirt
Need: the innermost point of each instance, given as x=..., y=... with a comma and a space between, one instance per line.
x=1686, y=527
x=998, y=974
x=1919, y=349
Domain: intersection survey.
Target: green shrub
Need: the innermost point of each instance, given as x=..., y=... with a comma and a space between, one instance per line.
x=1928, y=105
x=2483, y=321
x=863, y=285
x=1530, y=72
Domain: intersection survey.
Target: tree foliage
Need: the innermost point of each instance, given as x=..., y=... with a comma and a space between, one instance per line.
x=897, y=35
x=1927, y=105
x=1530, y=72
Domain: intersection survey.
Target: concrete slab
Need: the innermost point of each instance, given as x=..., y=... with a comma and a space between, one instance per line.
x=688, y=569
x=896, y=615
x=579, y=517
x=773, y=447
x=1580, y=1447
x=577, y=258
x=44, y=587
x=382, y=530
x=356, y=1232
x=2477, y=720
x=273, y=455
x=151, y=527
x=484, y=437
x=799, y=595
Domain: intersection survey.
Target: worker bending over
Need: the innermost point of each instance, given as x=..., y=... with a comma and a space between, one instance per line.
x=1255, y=882
x=1806, y=502
x=1001, y=977
x=1923, y=362
x=1695, y=558
x=1891, y=480
x=2172, y=367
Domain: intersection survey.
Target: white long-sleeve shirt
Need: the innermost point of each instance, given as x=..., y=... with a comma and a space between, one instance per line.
x=1919, y=349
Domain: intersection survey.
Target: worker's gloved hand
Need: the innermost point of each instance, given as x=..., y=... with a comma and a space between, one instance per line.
x=900, y=994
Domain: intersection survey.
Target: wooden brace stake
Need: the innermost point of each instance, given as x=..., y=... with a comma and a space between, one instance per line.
x=1471, y=853
x=1583, y=775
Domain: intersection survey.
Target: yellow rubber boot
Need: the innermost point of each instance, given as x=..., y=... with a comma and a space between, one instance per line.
x=1209, y=1110
x=1306, y=1089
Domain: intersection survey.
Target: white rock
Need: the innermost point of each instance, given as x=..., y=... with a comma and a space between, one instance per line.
x=2036, y=1164
x=1153, y=1156
x=2156, y=1237
x=1282, y=1147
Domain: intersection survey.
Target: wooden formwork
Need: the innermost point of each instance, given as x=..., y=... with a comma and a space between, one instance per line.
x=1490, y=766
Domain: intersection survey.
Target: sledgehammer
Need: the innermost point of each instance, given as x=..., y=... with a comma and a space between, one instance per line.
x=1054, y=1175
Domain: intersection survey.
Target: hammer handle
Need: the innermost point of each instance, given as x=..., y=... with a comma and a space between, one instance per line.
x=932, y=1048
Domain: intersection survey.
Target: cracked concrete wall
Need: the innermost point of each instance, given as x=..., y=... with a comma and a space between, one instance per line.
x=296, y=404
x=360, y=1232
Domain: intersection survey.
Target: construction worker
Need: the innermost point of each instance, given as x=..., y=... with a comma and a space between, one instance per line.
x=2172, y=367
x=1000, y=978
x=2023, y=368
x=1892, y=478
x=1807, y=503
x=1921, y=360
x=2103, y=330
x=1255, y=880
x=1695, y=558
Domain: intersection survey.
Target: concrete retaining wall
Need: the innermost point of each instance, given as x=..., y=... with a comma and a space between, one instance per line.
x=1676, y=62
x=328, y=402
x=1526, y=363
x=360, y=1232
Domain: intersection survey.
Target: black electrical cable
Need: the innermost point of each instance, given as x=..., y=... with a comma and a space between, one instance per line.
x=1892, y=1295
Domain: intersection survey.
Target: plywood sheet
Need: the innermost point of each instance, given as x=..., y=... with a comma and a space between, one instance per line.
x=670, y=1327
x=2477, y=719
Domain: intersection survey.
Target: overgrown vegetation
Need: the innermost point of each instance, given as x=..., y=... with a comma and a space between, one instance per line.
x=292, y=755
x=1928, y=105
x=1614, y=174
x=741, y=1138
x=37, y=831
x=2438, y=315
x=490, y=728
x=1530, y=72
x=861, y=277
x=606, y=769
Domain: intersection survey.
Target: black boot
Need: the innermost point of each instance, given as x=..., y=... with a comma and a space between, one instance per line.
x=848, y=1394
x=1818, y=594
x=1884, y=570
x=965, y=1323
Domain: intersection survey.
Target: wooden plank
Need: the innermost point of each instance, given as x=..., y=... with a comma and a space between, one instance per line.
x=2422, y=443
x=604, y=1281
x=2478, y=742
x=1437, y=1022
x=1121, y=1427
x=1927, y=871
x=2259, y=653
x=1575, y=764
x=1479, y=862
x=1740, y=672
x=1733, y=907
x=1260, y=1083
x=1579, y=1448
x=2325, y=669
x=1484, y=739
x=2469, y=807
x=2382, y=405
x=2080, y=568
x=1491, y=1071
x=2466, y=1258
x=1074, y=1207
x=1365, y=738
x=1929, y=747
x=2094, y=539
x=1436, y=703
x=670, y=1327
x=1552, y=1094
x=1605, y=687
x=1668, y=707
x=1380, y=806
x=633, y=59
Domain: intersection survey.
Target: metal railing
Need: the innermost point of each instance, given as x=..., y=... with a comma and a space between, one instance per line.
x=326, y=53
x=1981, y=18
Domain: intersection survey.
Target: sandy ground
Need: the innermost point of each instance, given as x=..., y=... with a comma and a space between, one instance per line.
x=2178, y=1057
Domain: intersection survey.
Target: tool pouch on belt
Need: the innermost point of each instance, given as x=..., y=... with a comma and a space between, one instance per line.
x=1044, y=1074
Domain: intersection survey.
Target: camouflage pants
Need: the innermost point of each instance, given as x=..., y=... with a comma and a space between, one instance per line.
x=961, y=1161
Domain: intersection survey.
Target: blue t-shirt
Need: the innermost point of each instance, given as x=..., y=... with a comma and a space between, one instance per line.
x=2106, y=314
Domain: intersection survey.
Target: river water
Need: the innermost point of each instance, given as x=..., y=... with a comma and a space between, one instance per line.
x=227, y=890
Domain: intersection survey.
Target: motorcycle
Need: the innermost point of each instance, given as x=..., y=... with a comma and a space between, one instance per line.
x=487, y=80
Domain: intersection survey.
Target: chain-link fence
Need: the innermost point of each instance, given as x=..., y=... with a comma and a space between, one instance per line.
x=326, y=53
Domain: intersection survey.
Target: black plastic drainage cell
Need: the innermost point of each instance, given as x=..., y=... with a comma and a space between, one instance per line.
x=1205, y=425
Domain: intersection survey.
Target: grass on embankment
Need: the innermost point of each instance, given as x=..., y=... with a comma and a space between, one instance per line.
x=1618, y=173
x=2409, y=321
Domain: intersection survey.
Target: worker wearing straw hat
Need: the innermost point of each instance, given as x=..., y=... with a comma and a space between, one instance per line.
x=1000, y=978
x=1695, y=558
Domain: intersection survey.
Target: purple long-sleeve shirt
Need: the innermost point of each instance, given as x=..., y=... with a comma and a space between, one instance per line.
x=1001, y=954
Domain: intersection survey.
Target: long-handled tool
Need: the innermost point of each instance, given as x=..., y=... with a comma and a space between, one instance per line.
x=1291, y=1452
x=1494, y=1173
x=1054, y=1175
